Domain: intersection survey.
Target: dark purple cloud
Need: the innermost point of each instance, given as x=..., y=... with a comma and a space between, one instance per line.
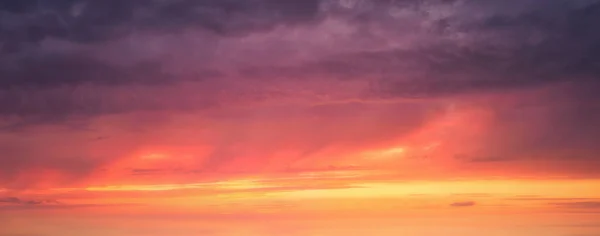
x=392, y=48
x=95, y=21
x=70, y=61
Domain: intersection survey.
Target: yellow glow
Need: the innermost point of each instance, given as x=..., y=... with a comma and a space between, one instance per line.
x=388, y=153
x=333, y=174
x=580, y=188
x=241, y=184
x=233, y=184
x=154, y=156
x=393, y=151
x=161, y=187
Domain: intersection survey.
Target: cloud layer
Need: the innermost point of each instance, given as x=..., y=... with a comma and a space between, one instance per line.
x=266, y=84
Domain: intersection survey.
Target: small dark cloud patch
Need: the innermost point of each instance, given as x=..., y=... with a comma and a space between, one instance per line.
x=463, y=204
x=26, y=202
x=472, y=194
x=150, y=171
x=70, y=70
x=534, y=198
x=468, y=158
x=15, y=204
x=578, y=205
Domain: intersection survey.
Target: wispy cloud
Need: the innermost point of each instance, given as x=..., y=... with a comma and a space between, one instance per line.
x=578, y=205
x=463, y=204
x=17, y=204
x=23, y=202
x=540, y=198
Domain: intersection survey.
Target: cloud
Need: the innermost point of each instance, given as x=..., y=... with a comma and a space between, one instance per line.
x=483, y=159
x=23, y=202
x=148, y=171
x=17, y=204
x=57, y=207
x=93, y=21
x=463, y=204
x=472, y=195
x=578, y=205
x=319, y=79
x=439, y=51
x=16, y=159
x=63, y=70
x=534, y=198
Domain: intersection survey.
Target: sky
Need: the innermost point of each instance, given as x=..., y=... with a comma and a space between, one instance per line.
x=299, y=117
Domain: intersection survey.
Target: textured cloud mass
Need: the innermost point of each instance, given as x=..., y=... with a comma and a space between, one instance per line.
x=263, y=85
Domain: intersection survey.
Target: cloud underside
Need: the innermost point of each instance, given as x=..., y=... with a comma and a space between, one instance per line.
x=491, y=82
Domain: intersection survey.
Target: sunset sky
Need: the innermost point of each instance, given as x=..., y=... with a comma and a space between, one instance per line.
x=299, y=117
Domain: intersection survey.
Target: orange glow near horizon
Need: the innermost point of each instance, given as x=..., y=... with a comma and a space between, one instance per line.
x=372, y=182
